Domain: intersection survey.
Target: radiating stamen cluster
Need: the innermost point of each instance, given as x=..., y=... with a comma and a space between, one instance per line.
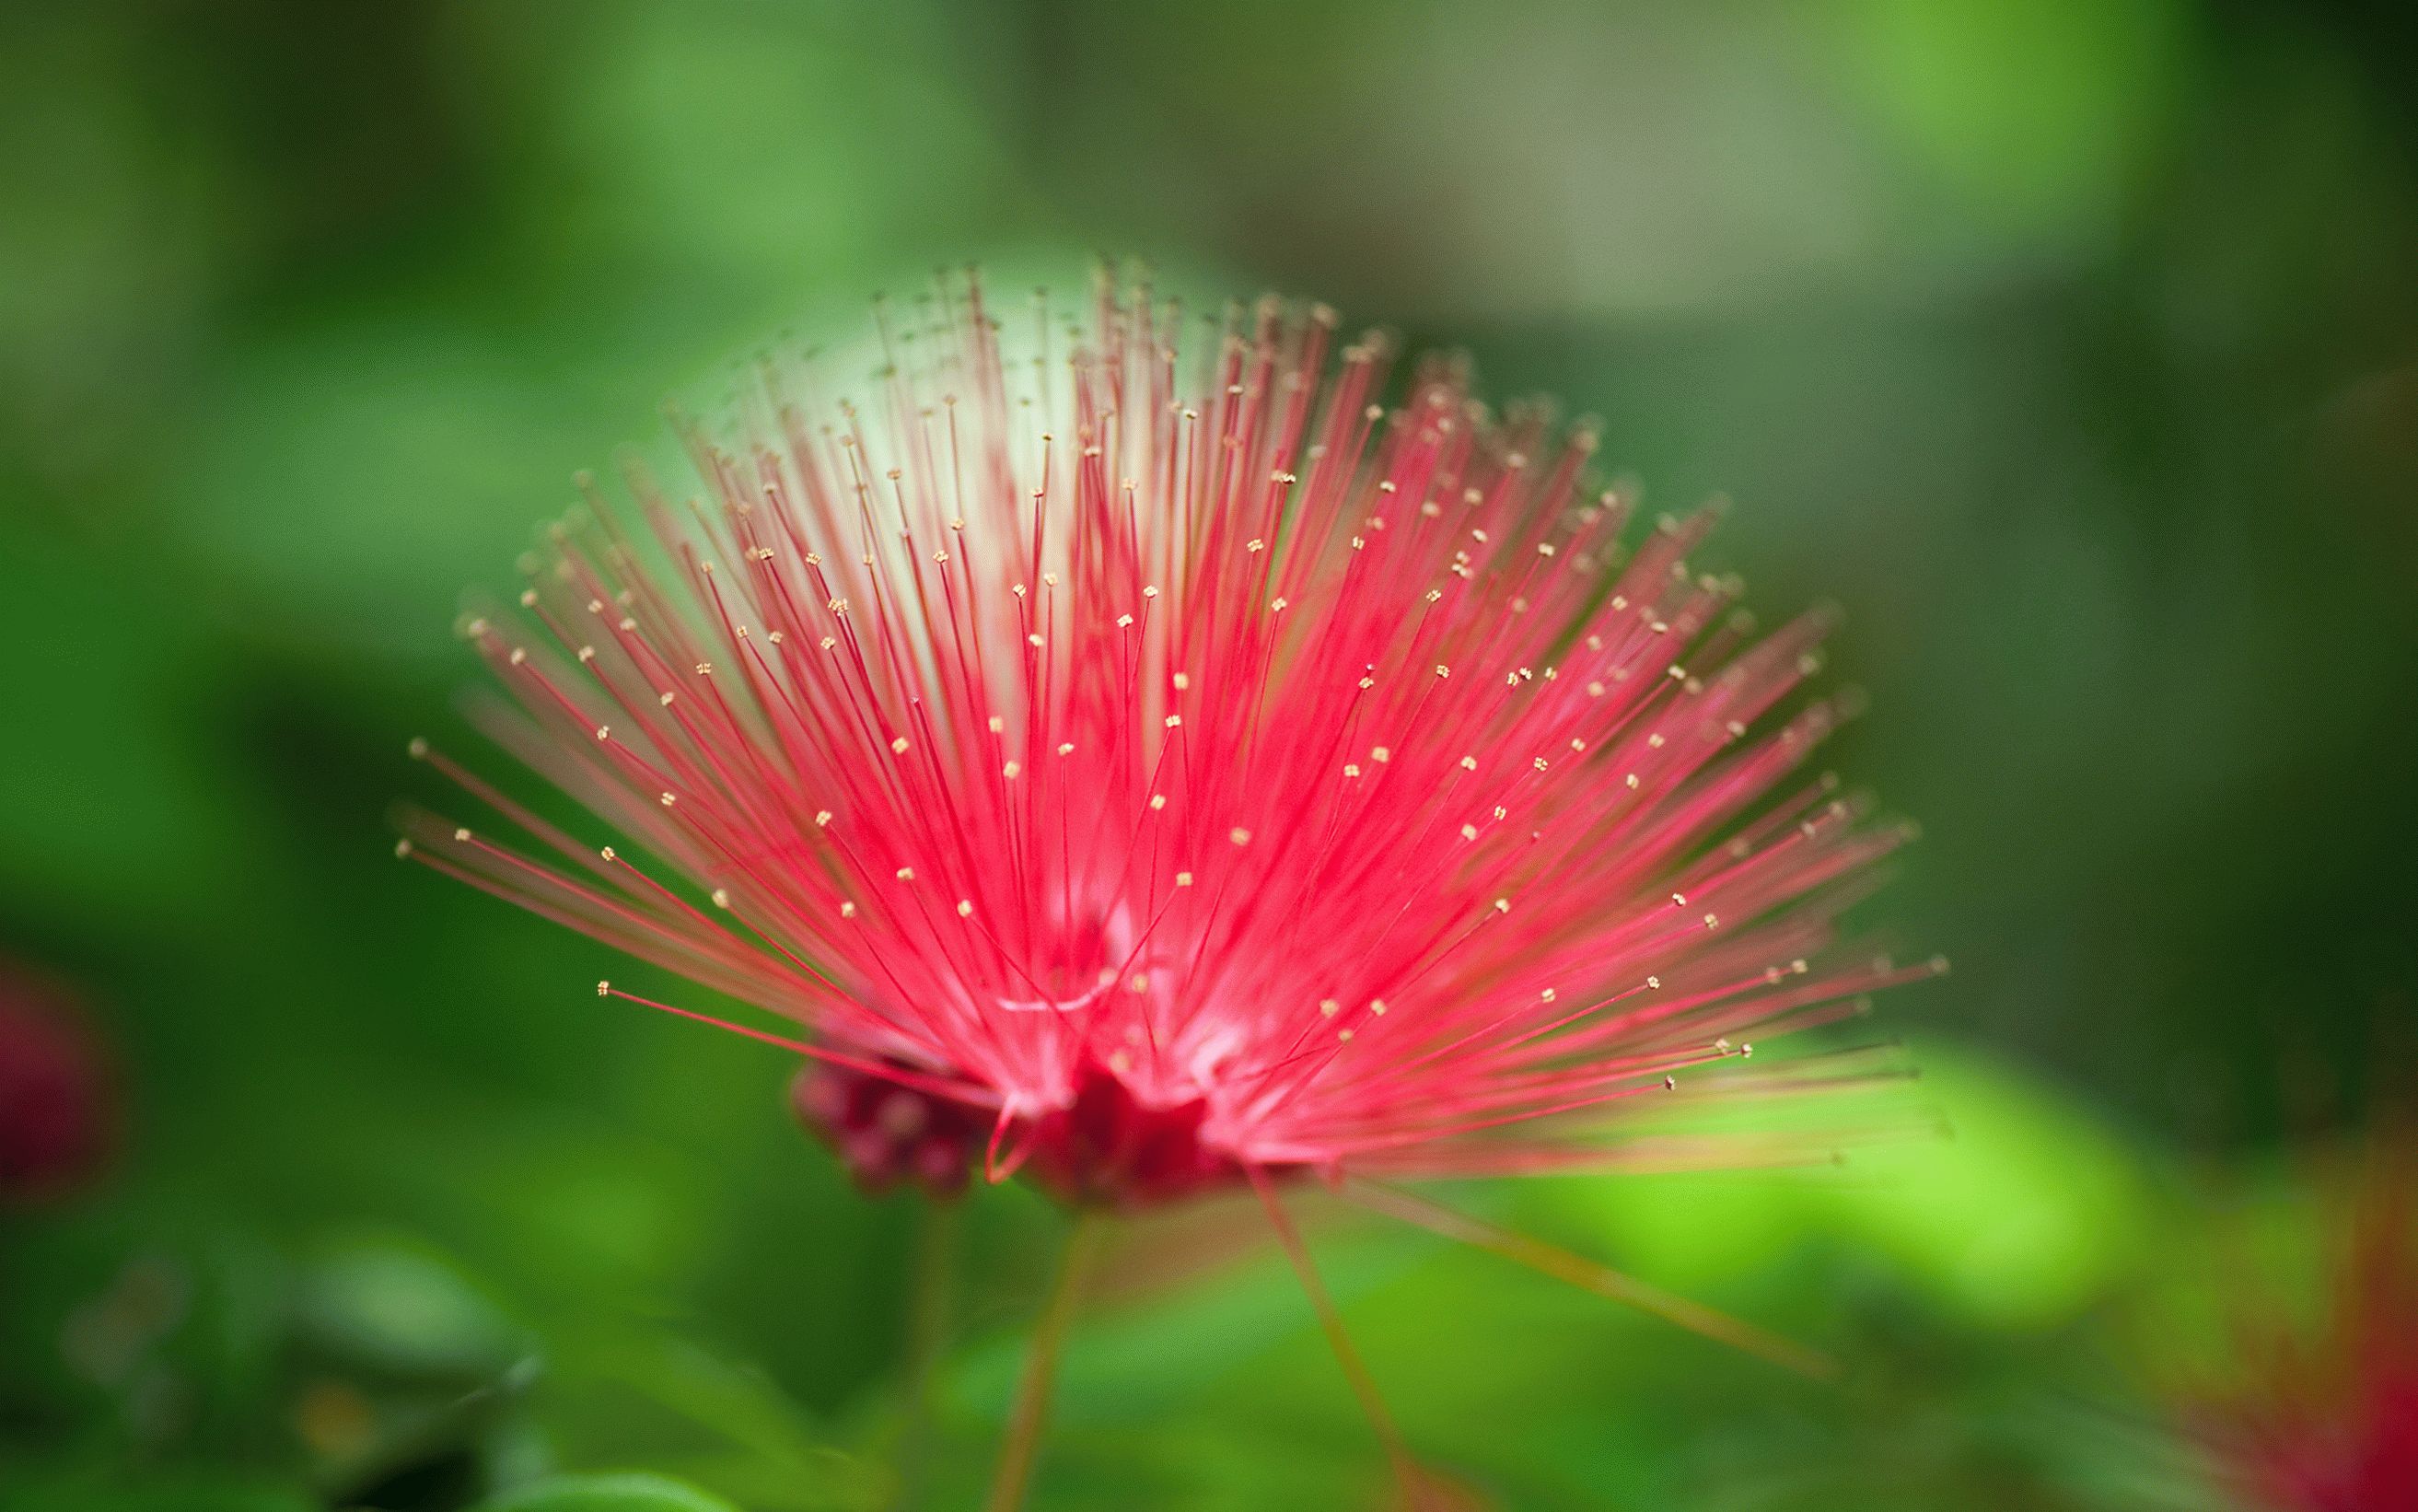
x=1186, y=762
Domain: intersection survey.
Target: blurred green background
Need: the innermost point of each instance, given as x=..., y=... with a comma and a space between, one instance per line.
x=2070, y=344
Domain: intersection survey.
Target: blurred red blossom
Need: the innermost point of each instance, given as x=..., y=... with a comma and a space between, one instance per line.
x=2326, y=1416
x=56, y=1105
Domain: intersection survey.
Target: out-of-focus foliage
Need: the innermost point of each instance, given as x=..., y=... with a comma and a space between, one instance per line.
x=2071, y=344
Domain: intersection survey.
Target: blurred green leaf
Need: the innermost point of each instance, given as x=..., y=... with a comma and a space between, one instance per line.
x=2031, y=111
x=730, y=1401
x=1148, y=1361
x=2019, y=1216
x=397, y=1308
x=2014, y=1215
x=197, y=1492
x=629, y=1492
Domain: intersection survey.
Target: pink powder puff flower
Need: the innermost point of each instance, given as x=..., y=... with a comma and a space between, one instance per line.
x=1157, y=772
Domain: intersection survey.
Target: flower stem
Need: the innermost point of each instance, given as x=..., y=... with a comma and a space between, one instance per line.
x=1589, y=1275
x=927, y=1336
x=1397, y=1452
x=1030, y=1416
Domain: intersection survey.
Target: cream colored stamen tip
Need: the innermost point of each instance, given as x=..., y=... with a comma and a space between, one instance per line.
x=670, y=799
x=604, y=732
x=1239, y=836
x=1183, y=879
x=1342, y=1036
x=1712, y=920
x=906, y=874
x=1654, y=981
x=965, y=908
x=604, y=989
x=1377, y=1006
x=847, y=911
x=1679, y=899
x=1546, y=996
x=1012, y=771
x=1381, y=753
x=1352, y=768
x=1181, y=680
x=1938, y=966
x=822, y=819
x=899, y=745
x=721, y=898
x=1669, y=1083
x=418, y=749
x=403, y=851
x=1503, y=905
x=1469, y=763
x=998, y=726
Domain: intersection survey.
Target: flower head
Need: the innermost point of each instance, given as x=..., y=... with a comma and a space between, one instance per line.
x=1180, y=765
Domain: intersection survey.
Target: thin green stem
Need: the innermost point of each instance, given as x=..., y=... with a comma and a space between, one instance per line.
x=1364, y=1385
x=1029, y=1419
x=928, y=1315
x=1590, y=1275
